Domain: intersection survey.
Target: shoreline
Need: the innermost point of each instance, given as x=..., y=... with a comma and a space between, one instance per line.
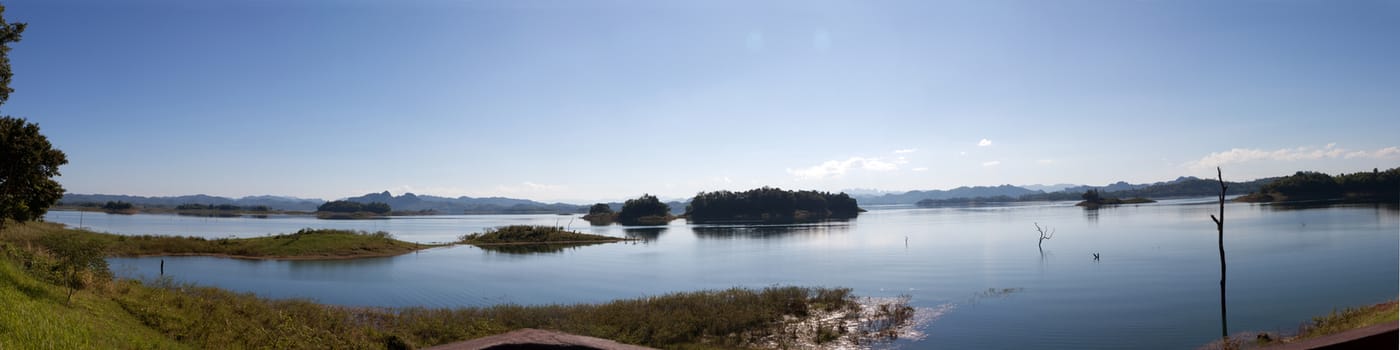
x=281, y=257
x=615, y=240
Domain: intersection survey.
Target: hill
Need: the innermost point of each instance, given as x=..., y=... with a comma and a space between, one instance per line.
x=912, y=197
x=271, y=202
x=410, y=202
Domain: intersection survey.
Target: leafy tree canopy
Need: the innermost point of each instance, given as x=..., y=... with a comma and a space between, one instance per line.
x=27, y=188
x=645, y=206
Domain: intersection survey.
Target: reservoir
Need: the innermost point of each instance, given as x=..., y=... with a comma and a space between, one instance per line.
x=976, y=273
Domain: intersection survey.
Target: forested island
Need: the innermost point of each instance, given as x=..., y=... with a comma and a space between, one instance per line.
x=347, y=210
x=770, y=205
x=1092, y=199
x=643, y=211
x=1372, y=186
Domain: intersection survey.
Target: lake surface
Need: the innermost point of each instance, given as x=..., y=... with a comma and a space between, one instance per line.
x=1157, y=285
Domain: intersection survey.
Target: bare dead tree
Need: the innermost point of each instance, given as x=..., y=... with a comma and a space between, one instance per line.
x=1044, y=235
x=1220, y=229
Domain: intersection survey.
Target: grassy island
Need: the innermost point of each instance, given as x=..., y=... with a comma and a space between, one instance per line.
x=306, y=244
x=533, y=234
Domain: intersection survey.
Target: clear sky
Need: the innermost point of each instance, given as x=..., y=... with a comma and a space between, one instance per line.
x=603, y=100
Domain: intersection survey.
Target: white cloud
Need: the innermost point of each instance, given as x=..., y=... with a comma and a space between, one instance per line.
x=920, y=169
x=839, y=168
x=992, y=163
x=906, y=151
x=1330, y=151
x=1045, y=161
x=962, y=153
x=984, y=143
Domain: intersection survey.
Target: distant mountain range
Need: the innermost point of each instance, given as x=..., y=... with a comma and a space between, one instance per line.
x=912, y=197
x=272, y=202
x=409, y=202
x=467, y=205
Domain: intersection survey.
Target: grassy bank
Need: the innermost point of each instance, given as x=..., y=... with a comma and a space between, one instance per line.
x=303, y=244
x=107, y=313
x=533, y=234
x=1337, y=321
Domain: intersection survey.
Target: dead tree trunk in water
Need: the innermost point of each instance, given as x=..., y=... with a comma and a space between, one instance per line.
x=1220, y=229
x=1043, y=236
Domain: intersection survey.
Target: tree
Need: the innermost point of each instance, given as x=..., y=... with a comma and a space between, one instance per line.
x=9, y=33
x=646, y=206
x=76, y=254
x=1092, y=196
x=27, y=188
x=600, y=209
x=1220, y=229
x=1043, y=236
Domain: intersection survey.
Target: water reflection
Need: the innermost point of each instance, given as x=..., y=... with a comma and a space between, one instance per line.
x=646, y=234
x=333, y=269
x=1392, y=207
x=1091, y=214
x=771, y=231
x=527, y=249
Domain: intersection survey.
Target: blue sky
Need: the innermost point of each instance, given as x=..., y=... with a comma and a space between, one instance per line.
x=603, y=100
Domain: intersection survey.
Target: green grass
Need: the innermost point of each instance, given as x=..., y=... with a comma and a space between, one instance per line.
x=162, y=314
x=1332, y=323
x=36, y=317
x=303, y=244
x=1349, y=319
x=532, y=234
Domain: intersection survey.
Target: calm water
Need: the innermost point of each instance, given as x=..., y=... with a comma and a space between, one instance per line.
x=1155, y=287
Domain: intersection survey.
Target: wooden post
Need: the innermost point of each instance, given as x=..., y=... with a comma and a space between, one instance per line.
x=162, y=267
x=1220, y=229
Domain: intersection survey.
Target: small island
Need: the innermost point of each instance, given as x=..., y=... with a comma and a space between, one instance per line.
x=347, y=210
x=1092, y=199
x=646, y=210
x=533, y=234
x=305, y=244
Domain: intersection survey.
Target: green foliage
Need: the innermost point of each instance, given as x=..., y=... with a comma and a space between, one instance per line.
x=76, y=255
x=1092, y=196
x=117, y=205
x=36, y=316
x=646, y=209
x=531, y=234
x=1190, y=187
x=1351, y=318
x=600, y=209
x=769, y=204
x=354, y=207
x=9, y=33
x=1308, y=185
x=131, y=314
x=27, y=188
x=303, y=244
